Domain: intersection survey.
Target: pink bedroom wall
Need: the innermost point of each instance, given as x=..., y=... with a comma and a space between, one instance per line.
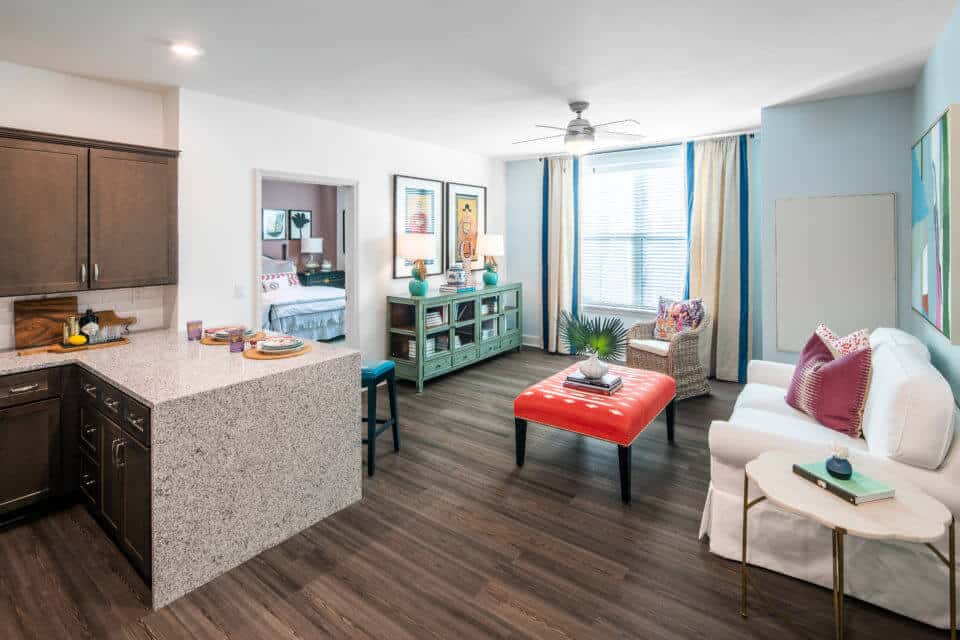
x=320, y=199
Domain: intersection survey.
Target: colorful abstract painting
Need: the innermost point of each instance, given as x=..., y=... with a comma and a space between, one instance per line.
x=930, y=226
x=467, y=221
x=418, y=208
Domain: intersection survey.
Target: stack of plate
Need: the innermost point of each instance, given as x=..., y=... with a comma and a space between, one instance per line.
x=280, y=344
x=223, y=333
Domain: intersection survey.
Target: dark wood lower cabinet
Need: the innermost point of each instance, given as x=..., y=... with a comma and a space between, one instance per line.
x=58, y=441
x=135, y=524
x=111, y=484
x=29, y=454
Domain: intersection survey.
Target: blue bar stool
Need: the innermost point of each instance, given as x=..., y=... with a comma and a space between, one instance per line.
x=372, y=374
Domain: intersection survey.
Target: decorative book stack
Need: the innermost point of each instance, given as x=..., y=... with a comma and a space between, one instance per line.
x=452, y=288
x=608, y=384
x=434, y=319
x=857, y=490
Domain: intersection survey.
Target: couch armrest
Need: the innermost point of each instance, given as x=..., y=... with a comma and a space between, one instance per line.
x=643, y=330
x=776, y=374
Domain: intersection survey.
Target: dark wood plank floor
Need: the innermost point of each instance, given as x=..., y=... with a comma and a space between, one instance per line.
x=451, y=540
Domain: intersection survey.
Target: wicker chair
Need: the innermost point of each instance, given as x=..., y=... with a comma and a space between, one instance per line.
x=680, y=358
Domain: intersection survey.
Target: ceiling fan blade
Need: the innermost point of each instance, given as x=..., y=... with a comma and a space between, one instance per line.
x=547, y=126
x=622, y=134
x=607, y=124
x=538, y=139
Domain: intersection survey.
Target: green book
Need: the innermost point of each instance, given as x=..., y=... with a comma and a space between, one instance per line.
x=857, y=490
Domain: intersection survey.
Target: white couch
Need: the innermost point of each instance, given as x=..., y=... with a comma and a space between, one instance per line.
x=909, y=425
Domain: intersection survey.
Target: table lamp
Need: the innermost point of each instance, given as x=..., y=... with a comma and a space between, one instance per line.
x=417, y=247
x=310, y=247
x=490, y=245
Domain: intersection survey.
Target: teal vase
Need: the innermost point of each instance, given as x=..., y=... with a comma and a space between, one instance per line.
x=418, y=287
x=490, y=278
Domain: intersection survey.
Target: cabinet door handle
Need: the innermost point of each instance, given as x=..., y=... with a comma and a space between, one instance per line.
x=90, y=389
x=89, y=429
x=122, y=454
x=83, y=273
x=96, y=271
x=25, y=388
x=113, y=451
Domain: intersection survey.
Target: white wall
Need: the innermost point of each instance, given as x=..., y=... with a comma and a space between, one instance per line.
x=57, y=103
x=224, y=141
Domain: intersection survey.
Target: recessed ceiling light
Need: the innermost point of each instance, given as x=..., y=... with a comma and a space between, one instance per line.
x=185, y=50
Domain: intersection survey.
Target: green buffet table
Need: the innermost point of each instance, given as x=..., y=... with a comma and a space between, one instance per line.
x=437, y=333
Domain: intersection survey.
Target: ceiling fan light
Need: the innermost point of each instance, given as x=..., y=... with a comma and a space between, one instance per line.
x=578, y=143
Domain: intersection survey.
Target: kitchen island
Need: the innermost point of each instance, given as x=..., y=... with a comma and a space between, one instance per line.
x=242, y=453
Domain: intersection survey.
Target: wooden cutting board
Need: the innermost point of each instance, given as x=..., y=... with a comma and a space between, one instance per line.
x=40, y=322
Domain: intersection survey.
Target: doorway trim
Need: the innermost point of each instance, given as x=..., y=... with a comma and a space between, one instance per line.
x=352, y=264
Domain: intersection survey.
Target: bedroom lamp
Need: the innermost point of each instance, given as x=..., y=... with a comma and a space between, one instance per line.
x=417, y=247
x=310, y=247
x=490, y=245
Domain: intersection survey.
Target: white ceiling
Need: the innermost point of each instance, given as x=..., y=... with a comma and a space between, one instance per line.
x=478, y=75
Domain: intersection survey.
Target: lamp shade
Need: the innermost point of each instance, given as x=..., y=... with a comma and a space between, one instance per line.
x=491, y=245
x=416, y=246
x=311, y=245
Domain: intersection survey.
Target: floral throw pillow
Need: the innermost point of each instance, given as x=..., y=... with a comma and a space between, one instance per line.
x=677, y=316
x=277, y=281
x=843, y=346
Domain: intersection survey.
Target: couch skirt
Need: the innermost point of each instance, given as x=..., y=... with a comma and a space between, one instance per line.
x=905, y=578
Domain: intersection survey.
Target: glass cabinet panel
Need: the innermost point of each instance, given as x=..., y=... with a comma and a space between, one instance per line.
x=436, y=316
x=489, y=305
x=509, y=300
x=465, y=310
x=403, y=316
x=489, y=329
x=464, y=336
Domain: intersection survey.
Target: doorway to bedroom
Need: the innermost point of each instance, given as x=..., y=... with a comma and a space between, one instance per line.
x=305, y=258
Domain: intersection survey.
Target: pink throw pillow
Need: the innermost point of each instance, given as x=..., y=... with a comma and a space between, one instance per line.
x=831, y=390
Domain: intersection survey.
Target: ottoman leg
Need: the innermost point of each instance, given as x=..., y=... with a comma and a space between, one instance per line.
x=624, y=455
x=671, y=412
x=521, y=439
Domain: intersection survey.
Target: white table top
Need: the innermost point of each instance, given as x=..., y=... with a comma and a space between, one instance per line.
x=911, y=515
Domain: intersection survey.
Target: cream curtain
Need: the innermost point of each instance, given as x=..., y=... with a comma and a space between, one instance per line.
x=719, y=262
x=560, y=239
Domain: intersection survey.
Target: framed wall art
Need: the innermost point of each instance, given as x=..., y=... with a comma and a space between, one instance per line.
x=301, y=222
x=274, y=224
x=466, y=222
x=418, y=209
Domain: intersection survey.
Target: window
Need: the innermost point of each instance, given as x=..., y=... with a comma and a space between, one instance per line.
x=633, y=227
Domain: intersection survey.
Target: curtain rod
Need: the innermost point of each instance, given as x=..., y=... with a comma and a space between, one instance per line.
x=668, y=143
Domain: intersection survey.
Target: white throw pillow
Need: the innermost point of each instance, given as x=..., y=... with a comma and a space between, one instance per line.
x=278, y=281
x=910, y=410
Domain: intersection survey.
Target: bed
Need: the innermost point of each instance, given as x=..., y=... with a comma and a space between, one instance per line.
x=312, y=313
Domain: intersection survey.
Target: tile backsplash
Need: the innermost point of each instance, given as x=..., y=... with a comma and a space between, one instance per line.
x=152, y=307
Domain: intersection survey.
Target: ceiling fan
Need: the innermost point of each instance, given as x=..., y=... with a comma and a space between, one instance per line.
x=579, y=135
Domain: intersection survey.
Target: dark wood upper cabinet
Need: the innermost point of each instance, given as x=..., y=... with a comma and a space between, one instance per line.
x=43, y=238
x=29, y=453
x=81, y=214
x=133, y=219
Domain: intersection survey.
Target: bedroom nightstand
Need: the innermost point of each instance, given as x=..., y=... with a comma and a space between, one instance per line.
x=323, y=278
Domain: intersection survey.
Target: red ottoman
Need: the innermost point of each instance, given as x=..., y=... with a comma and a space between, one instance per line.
x=618, y=418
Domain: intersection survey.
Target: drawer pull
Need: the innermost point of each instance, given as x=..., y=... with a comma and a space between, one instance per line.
x=25, y=388
x=112, y=403
x=89, y=430
x=88, y=481
x=136, y=422
x=91, y=389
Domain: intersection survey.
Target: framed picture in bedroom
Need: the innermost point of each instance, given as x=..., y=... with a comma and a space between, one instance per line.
x=274, y=224
x=300, y=224
x=935, y=242
x=466, y=222
x=418, y=209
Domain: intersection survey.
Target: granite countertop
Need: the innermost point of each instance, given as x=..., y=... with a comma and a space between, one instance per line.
x=160, y=366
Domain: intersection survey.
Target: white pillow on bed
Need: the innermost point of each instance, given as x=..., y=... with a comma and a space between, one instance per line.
x=278, y=281
x=271, y=265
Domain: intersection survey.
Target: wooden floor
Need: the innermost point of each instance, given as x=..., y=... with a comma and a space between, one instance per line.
x=451, y=540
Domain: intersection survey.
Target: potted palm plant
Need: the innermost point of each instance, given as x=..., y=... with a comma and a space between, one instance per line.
x=602, y=338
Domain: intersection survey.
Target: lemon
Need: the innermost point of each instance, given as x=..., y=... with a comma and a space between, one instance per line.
x=78, y=339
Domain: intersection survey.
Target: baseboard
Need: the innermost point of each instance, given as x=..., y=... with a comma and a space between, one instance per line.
x=533, y=341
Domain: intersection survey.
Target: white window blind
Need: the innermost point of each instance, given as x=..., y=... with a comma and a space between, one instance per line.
x=633, y=227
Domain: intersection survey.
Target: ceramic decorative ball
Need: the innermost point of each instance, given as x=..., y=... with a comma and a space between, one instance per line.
x=837, y=465
x=490, y=278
